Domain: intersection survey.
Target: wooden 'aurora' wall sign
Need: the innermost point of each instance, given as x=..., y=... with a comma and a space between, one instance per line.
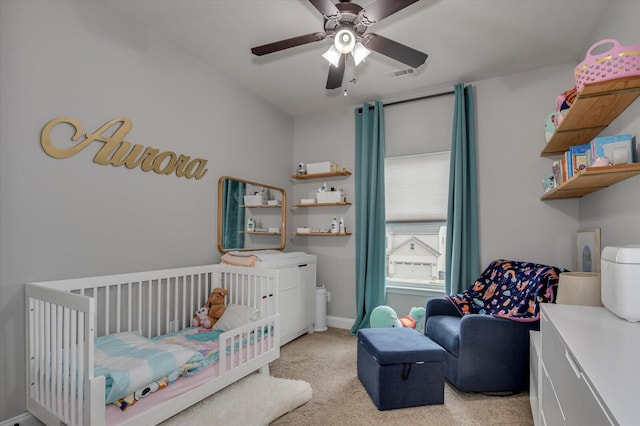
x=117, y=152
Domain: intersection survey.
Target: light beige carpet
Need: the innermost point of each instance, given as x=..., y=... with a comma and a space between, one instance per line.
x=327, y=360
x=255, y=400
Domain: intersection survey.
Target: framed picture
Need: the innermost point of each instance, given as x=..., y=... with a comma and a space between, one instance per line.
x=588, y=244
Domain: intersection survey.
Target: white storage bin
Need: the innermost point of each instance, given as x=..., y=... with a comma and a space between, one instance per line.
x=330, y=197
x=620, y=269
x=321, y=167
x=254, y=200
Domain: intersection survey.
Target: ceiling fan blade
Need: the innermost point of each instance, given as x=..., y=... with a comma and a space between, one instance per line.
x=394, y=50
x=326, y=7
x=380, y=9
x=287, y=43
x=334, y=80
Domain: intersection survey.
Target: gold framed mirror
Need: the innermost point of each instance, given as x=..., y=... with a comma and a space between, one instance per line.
x=251, y=215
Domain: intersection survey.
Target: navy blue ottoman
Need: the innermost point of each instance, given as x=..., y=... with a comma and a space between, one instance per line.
x=399, y=367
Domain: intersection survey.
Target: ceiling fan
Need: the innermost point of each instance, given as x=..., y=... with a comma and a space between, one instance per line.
x=346, y=24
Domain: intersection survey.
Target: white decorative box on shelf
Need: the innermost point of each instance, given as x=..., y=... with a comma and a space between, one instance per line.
x=254, y=200
x=330, y=197
x=321, y=167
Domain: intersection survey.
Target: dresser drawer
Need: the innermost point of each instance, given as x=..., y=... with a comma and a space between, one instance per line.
x=550, y=412
x=534, y=358
x=578, y=403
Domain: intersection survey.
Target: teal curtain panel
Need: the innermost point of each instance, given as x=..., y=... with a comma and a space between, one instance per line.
x=370, y=216
x=233, y=222
x=463, y=253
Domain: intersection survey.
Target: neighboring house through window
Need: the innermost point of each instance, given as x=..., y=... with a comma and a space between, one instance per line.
x=416, y=192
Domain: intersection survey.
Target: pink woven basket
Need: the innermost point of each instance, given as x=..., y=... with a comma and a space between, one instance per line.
x=616, y=62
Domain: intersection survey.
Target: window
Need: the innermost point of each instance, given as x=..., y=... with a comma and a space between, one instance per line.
x=416, y=194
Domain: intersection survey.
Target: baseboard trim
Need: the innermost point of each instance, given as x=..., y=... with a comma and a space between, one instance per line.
x=24, y=419
x=340, y=322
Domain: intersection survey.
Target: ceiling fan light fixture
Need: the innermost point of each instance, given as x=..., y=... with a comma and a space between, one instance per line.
x=332, y=56
x=344, y=40
x=359, y=53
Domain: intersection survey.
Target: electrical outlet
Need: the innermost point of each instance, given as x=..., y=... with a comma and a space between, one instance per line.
x=173, y=326
x=328, y=297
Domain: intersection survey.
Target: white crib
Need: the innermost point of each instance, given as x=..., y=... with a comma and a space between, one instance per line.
x=64, y=317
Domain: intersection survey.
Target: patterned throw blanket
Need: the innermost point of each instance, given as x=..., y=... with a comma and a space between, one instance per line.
x=510, y=289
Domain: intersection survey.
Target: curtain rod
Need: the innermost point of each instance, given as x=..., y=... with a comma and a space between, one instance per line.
x=435, y=95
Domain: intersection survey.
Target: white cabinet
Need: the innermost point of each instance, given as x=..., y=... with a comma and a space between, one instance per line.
x=534, y=374
x=296, y=296
x=587, y=372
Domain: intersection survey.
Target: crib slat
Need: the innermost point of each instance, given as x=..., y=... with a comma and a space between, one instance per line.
x=57, y=360
x=107, y=310
x=64, y=371
x=149, y=311
x=129, y=296
x=118, y=307
x=140, y=307
x=83, y=366
x=73, y=366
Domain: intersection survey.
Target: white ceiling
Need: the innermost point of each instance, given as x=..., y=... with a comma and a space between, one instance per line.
x=466, y=40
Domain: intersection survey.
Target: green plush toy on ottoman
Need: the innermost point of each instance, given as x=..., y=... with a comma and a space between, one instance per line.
x=385, y=316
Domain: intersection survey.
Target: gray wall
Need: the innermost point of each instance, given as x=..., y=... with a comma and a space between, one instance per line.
x=616, y=210
x=71, y=217
x=322, y=137
x=514, y=223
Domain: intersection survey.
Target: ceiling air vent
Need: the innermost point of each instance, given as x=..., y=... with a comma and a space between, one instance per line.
x=402, y=73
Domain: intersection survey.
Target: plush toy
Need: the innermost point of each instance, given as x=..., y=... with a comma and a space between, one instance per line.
x=214, y=305
x=550, y=126
x=201, y=318
x=415, y=319
x=384, y=316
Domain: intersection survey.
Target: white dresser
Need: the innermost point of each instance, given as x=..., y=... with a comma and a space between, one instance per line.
x=296, y=294
x=588, y=370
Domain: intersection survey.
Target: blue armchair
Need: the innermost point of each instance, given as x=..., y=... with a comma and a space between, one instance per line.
x=485, y=330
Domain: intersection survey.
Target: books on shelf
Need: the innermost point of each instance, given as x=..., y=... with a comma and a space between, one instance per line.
x=617, y=149
x=581, y=158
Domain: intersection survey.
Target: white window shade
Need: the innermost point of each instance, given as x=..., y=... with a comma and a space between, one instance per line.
x=417, y=187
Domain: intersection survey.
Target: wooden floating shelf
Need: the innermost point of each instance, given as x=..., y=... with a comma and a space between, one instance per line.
x=597, y=105
x=343, y=172
x=259, y=206
x=343, y=203
x=591, y=180
x=323, y=234
x=261, y=233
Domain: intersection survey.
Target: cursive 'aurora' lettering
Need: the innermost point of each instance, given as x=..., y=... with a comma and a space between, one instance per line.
x=117, y=152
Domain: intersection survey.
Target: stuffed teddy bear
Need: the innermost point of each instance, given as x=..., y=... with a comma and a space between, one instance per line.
x=384, y=316
x=214, y=305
